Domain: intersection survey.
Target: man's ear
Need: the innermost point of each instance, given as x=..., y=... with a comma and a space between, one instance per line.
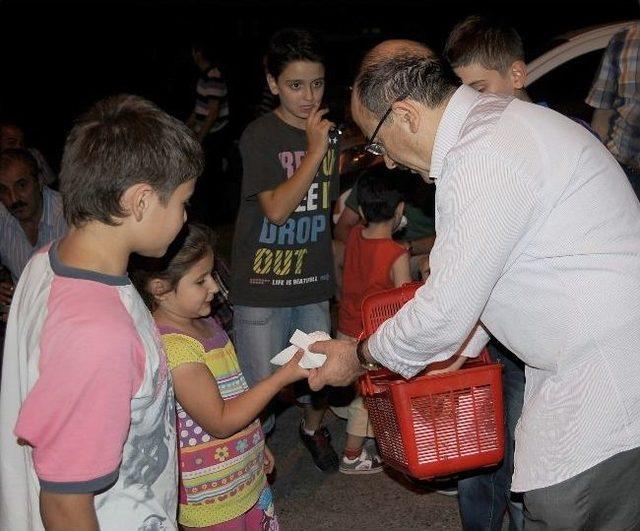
x=137, y=199
x=408, y=113
x=518, y=73
x=158, y=288
x=273, y=85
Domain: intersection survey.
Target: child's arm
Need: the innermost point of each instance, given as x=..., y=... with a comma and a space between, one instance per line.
x=401, y=270
x=68, y=511
x=191, y=121
x=198, y=394
x=83, y=393
x=212, y=116
x=279, y=203
x=347, y=220
x=269, y=460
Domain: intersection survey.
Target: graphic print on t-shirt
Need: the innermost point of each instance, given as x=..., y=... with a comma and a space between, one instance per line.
x=282, y=257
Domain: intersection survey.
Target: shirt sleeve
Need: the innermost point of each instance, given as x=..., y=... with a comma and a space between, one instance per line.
x=182, y=349
x=262, y=170
x=77, y=415
x=214, y=86
x=475, y=343
x=605, y=85
x=484, y=210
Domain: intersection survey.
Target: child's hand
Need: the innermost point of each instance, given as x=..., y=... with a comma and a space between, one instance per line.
x=291, y=371
x=423, y=266
x=269, y=460
x=318, y=131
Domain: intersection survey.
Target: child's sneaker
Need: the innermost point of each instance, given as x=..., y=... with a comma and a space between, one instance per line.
x=319, y=445
x=368, y=462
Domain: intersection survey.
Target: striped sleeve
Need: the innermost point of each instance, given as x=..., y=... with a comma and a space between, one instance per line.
x=484, y=205
x=213, y=86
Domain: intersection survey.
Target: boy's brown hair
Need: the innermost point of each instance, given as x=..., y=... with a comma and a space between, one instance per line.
x=481, y=40
x=122, y=141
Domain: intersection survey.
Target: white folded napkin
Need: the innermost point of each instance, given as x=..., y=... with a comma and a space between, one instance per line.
x=300, y=340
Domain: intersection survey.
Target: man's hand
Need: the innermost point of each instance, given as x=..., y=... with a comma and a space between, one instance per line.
x=341, y=367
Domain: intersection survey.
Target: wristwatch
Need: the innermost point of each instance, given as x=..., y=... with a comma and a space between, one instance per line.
x=364, y=362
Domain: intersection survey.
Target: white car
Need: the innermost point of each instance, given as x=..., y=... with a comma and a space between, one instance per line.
x=563, y=76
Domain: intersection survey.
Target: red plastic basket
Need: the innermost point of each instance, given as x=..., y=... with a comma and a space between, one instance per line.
x=432, y=426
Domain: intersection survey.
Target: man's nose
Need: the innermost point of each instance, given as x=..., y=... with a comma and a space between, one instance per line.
x=12, y=196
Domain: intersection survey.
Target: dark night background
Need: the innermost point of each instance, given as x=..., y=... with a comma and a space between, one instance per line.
x=59, y=57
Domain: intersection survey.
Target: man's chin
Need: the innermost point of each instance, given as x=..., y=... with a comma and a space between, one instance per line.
x=21, y=214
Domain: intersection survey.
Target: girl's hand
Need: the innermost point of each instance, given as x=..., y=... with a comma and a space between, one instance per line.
x=318, y=132
x=269, y=460
x=291, y=371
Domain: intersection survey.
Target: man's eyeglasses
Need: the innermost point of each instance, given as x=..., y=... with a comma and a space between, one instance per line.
x=373, y=147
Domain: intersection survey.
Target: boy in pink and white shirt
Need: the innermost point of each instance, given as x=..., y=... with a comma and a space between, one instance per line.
x=87, y=438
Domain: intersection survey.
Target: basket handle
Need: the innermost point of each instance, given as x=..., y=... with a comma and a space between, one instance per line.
x=368, y=387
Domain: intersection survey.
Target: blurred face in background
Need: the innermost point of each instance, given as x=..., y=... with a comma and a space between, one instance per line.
x=484, y=79
x=11, y=137
x=21, y=192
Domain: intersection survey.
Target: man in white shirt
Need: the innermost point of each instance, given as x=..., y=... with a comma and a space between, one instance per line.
x=30, y=217
x=31, y=214
x=538, y=238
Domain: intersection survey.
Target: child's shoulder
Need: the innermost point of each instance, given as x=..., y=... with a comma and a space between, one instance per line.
x=86, y=296
x=267, y=122
x=210, y=334
x=355, y=233
x=89, y=308
x=184, y=346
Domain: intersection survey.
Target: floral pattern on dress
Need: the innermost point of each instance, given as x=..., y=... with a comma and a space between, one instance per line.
x=221, y=453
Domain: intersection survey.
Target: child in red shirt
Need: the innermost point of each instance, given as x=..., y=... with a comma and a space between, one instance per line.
x=373, y=262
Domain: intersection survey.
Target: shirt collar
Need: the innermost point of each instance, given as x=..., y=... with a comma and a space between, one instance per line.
x=448, y=132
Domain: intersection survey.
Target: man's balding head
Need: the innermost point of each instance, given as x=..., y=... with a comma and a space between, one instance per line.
x=397, y=69
x=394, y=47
x=398, y=97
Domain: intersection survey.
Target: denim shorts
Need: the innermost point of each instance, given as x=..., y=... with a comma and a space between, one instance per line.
x=260, y=333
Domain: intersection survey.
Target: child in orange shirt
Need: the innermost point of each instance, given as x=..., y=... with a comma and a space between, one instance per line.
x=373, y=262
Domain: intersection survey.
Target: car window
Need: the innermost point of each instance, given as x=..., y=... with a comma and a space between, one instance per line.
x=565, y=87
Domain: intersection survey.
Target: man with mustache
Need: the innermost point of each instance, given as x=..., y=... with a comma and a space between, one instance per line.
x=32, y=216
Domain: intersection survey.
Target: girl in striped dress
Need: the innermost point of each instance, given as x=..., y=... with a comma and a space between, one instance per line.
x=223, y=458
